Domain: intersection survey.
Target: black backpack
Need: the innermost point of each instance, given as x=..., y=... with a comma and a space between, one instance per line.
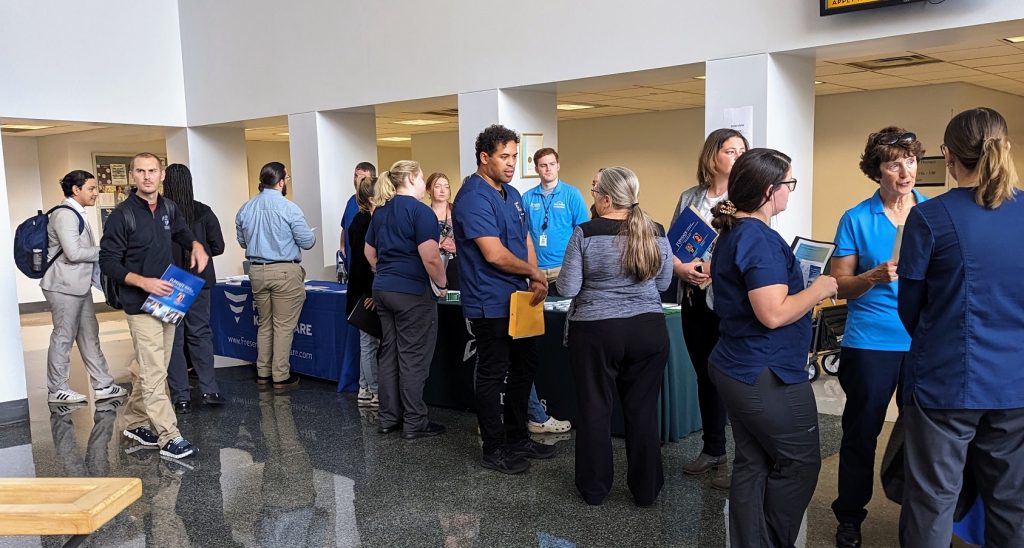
x=31, y=243
x=112, y=289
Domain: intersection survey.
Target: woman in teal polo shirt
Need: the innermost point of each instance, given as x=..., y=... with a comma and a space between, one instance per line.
x=962, y=301
x=874, y=342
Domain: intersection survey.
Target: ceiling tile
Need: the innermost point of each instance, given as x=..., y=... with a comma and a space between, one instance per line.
x=976, y=53
x=835, y=69
x=999, y=69
x=992, y=61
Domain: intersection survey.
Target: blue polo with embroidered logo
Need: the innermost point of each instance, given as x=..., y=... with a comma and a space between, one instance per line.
x=481, y=211
x=565, y=210
x=872, y=322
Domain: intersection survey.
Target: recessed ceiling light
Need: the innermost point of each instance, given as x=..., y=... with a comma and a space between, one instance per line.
x=816, y=82
x=1014, y=39
x=395, y=139
x=285, y=134
x=573, y=106
x=419, y=122
x=701, y=77
x=24, y=127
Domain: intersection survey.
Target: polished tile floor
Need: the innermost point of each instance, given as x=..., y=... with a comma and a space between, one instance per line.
x=307, y=468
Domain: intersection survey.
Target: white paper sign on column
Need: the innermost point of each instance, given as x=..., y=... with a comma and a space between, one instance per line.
x=741, y=119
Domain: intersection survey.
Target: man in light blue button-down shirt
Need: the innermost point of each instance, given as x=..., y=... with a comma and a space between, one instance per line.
x=273, y=232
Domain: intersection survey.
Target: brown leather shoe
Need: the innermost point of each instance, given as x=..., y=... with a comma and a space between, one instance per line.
x=723, y=477
x=290, y=382
x=703, y=463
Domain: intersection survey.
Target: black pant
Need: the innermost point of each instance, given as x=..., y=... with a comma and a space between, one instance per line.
x=504, y=375
x=778, y=456
x=869, y=378
x=409, y=333
x=937, y=441
x=700, y=330
x=193, y=345
x=628, y=354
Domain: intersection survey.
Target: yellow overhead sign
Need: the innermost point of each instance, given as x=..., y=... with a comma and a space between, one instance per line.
x=832, y=7
x=832, y=4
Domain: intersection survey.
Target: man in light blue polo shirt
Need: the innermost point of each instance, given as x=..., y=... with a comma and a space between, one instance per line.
x=555, y=209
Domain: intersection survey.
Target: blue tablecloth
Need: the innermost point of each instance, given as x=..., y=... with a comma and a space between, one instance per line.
x=324, y=345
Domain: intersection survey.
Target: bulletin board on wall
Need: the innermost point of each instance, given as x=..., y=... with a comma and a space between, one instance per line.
x=113, y=179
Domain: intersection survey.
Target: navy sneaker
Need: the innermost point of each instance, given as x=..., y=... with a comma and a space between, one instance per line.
x=143, y=435
x=177, y=448
x=530, y=449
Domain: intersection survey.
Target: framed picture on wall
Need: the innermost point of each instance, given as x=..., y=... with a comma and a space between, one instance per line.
x=931, y=171
x=531, y=143
x=112, y=173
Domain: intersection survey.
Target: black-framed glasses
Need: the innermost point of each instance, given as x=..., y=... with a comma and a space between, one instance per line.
x=893, y=138
x=791, y=184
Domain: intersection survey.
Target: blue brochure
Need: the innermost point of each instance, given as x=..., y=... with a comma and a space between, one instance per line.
x=691, y=237
x=172, y=308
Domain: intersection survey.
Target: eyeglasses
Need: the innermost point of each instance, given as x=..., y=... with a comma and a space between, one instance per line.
x=791, y=184
x=893, y=138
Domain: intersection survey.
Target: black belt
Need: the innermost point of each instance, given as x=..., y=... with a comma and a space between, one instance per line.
x=265, y=263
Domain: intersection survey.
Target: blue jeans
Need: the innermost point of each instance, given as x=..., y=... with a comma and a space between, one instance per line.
x=368, y=345
x=535, y=410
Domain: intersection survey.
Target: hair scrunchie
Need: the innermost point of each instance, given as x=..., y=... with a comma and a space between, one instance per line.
x=726, y=207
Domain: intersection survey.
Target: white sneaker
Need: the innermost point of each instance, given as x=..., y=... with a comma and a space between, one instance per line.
x=374, y=400
x=66, y=396
x=363, y=398
x=112, y=391
x=550, y=426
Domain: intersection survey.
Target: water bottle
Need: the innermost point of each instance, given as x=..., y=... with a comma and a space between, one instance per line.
x=339, y=268
x=37, y=260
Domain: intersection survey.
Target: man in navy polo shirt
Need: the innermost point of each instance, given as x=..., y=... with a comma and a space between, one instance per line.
x=555, y=209
x=497, y=258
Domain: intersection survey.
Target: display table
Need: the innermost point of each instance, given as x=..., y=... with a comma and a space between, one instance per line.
x=324, y=345
x=451, y=374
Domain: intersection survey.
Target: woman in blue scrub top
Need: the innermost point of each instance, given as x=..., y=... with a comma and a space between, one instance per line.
x=874, y=341
x=962, y=301
x=759, y=362
x=401, y=246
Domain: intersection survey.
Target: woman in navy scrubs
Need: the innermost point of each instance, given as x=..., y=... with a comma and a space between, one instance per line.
x=874, y=341
x=758, y=363
x=962, y=301
x=401, y=245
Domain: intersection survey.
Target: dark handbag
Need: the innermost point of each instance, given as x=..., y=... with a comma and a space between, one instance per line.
x=365, y=320
x=893, y=476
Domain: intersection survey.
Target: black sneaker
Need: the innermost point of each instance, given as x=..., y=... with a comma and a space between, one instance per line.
x=848, y=535
x=183, y=407
x=143, y=435
x=214, y=399
x=432, y=429
x=530, y=449
x=178, y=448
x=505, y=462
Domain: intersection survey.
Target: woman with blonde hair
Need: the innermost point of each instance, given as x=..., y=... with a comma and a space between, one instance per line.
x=439, y=191
x=615, y=268
x=401, y=244
x=961, y=299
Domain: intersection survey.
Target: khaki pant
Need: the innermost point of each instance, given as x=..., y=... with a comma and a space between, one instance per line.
x=551, y=274
x=278, y=291
x=148, y=403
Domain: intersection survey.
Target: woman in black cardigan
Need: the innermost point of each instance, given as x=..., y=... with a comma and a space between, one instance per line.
x=359, y=293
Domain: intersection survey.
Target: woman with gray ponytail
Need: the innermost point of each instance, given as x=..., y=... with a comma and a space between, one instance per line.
x=961, y=300
x=615, y=267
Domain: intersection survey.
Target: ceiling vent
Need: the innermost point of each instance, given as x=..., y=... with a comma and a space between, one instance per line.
x=447, y=112
x=911, y=60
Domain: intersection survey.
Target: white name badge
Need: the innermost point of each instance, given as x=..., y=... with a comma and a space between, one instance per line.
x=543, y=240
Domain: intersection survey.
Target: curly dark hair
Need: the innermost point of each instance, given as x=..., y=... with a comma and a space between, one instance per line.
x=875, y=153
x=76, y=178
x=491, y=138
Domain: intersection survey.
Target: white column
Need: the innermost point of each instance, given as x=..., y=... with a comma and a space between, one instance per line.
x=524, y=111
x=325, y=148
x=13, y=390
x=779, y=90
x=217, y=159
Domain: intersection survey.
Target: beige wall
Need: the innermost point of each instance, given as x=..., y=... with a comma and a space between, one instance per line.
x=661, y=147
x=843, y=122
x=439, y=152
x=261, y=153
x=24, y=198
x=387, y=156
